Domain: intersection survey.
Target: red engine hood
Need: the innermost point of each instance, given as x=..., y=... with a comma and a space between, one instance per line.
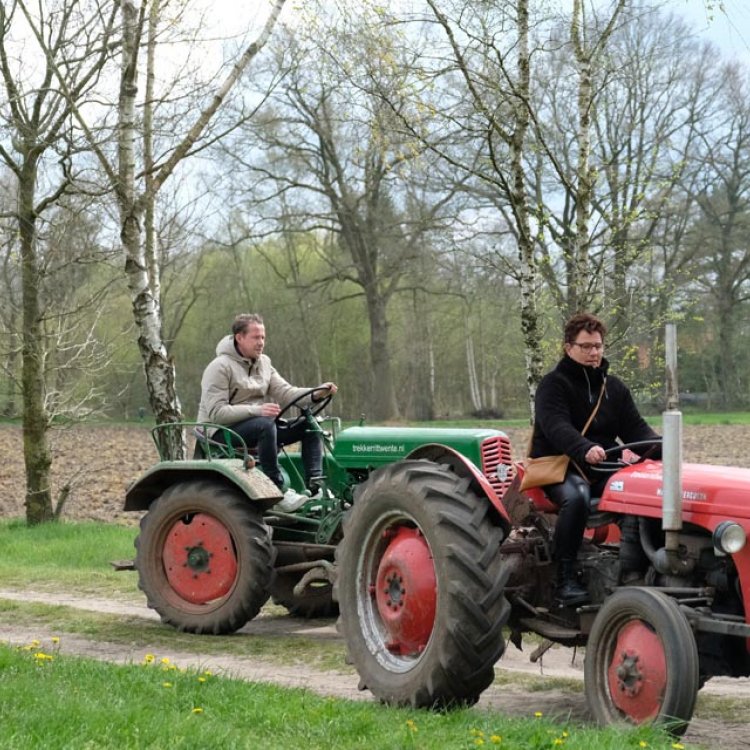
x=710, y=494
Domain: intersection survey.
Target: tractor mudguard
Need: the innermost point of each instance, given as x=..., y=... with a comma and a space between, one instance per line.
x=442, y=454
x=253, y=483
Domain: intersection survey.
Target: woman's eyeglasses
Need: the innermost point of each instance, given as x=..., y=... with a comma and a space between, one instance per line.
x=587, y=347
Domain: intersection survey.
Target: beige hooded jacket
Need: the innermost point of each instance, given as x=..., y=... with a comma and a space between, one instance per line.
x=234, y=388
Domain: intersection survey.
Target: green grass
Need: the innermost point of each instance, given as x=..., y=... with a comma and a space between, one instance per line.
x=73, y=556
x=72, y=703
x=717, y=418
x=55, y=701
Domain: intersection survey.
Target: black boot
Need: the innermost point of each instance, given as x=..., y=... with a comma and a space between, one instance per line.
x=569, y=592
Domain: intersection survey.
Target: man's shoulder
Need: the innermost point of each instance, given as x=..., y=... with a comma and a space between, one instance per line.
x=222, y=361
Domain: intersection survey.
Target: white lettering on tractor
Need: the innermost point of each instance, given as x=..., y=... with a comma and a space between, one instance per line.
x=391, y=448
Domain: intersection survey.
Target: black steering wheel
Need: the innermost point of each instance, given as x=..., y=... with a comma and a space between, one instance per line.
x=619, y=463
x=305, y=411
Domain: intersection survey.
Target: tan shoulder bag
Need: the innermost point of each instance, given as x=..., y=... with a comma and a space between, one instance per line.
x=538, y=472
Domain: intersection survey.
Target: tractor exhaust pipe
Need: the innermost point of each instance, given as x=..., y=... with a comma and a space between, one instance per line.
x=671, y=455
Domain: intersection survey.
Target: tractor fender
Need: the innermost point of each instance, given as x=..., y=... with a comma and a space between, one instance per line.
x=253, y=483
x=442, y=454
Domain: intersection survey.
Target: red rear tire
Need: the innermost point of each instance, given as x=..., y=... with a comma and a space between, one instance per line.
x=421, y=586
x=204, y=558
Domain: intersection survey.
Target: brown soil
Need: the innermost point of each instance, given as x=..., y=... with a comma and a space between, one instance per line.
x=99, y=462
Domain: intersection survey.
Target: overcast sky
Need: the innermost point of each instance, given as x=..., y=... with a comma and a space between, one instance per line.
x=730, y=28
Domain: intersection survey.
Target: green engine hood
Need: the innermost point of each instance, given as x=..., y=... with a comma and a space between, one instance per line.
x=371, y=447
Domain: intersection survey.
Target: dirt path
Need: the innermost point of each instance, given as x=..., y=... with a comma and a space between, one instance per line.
x=557, y=662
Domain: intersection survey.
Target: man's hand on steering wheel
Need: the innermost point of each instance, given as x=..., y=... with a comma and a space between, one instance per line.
x=325, y=391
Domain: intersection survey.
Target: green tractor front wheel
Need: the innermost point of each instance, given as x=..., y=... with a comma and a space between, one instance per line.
x=204, y=558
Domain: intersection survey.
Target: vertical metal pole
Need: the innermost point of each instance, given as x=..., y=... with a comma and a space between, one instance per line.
x=672, y=445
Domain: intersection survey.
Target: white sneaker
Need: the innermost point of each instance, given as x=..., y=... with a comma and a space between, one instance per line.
x=291, y=501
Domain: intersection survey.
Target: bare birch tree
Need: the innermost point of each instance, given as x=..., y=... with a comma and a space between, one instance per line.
x=491, y=53
x=40, y=150
x=137, y=175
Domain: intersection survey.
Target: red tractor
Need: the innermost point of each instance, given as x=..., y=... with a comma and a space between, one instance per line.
x=435, y=571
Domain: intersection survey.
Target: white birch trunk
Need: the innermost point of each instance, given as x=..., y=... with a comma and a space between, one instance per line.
x=137, y=211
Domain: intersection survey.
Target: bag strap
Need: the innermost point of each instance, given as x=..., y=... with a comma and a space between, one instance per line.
x=596, y=408
x=588, y=421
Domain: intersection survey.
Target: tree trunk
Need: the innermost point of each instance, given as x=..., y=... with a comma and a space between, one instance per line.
x=528, y=276
x=471, y=369
x=10, y=407
x=36, y=453
x=422, y=364
x=158, y=366
x=577, y=297
x=384, y=405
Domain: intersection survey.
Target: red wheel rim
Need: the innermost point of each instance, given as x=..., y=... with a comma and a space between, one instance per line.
x=406, y=591
x=637, y=673
x=199, y=559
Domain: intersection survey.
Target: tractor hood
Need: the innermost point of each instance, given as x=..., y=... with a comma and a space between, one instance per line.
x=710, y=494
x=372, y=447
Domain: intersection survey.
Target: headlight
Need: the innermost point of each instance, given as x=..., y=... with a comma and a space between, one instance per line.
x=729, y=537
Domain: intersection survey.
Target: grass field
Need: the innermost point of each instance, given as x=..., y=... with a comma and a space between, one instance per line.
x=54, y=700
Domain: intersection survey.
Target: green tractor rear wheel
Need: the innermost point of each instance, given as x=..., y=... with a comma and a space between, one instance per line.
x=204, y=558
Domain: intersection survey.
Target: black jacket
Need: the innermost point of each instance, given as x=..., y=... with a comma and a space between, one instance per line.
x=565, y=398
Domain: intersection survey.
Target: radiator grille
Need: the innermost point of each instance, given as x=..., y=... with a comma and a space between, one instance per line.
x=496, y=452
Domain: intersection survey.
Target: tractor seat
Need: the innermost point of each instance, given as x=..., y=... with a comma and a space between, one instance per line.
x=217, y=448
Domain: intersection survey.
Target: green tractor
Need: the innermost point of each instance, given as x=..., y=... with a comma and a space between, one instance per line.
x=212, y=548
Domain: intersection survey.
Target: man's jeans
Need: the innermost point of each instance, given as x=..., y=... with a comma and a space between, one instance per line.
x=264, y=433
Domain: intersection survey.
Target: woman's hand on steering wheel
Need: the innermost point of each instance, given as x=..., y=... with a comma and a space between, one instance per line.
x=625, y=451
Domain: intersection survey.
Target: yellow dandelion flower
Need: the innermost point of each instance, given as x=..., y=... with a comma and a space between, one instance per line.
x=166, y=684
x=149, y=659
x=35, y=643
x=41, y=656
x=201, y=679
x=55, y=639
x=558, y=741
x=164, y=660
x=565, y=734
x=197, y=710
x=538, y=714
x=495, y=739
x=643, y=743
x=678, y=746
x=479, y=741
x=411, y=725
